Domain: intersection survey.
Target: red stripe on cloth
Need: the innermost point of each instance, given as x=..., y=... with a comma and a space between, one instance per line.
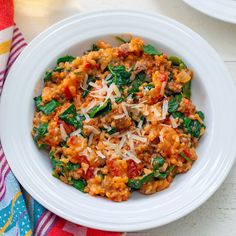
x=57, y=229
x=6, y=13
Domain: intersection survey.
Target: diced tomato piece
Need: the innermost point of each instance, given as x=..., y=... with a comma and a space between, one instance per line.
x=89, y=173
x=114, y=168
x=187, y=153
x=88, y=65
x=163, y=77
x=68, y=94
x=133, y=169
x=68, y=128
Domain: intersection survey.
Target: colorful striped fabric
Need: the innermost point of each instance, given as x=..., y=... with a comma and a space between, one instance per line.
x=20, y=214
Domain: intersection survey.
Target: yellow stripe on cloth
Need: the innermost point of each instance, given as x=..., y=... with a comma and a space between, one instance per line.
x=10, y=218
x=28, y=233
x=5, y=47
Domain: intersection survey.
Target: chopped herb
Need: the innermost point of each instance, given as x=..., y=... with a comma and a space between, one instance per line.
x=95, y=47
x=185, y=157
x=157, y=162
x=119, y=100
x=40, y=131
x=149, y=49
x=170, y=77
x=71, y=117
x=201, y=114
x=86, y=92
x=149, y=87
x=112, y=130
x=170, y=169
x=181, y=66
x=56, y=164
x=122, y=40
x=178, y=114
x=71, y=166
x=174, y=102
x=43, y=146
x=48, y=108
x=48, y=74
x=138, y=81
x=79, y=184
x=176, y=61
x=187, y=89
x=101, y=110
x=138, y=183
x=64, y=59
x=120, y=76
x=192, y=127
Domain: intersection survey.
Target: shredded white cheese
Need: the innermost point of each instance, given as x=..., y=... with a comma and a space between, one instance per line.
x=138, y=138
x=94, y=130
x=90, y=141
x=163, y=85
x=124, y=109
x=173, y=122
x=99, y=153
x=85, y=115
x=119, y=116
x=63, y=132
x=76, y=132
x=164, y=109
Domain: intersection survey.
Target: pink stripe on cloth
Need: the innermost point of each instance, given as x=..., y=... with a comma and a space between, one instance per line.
x=18, y=44
x=44, y=222
x=16, y=52
x=3, y=185
x=21, y=39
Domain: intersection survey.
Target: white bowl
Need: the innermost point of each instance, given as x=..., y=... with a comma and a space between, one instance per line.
x=213, y=92
x=224, y=10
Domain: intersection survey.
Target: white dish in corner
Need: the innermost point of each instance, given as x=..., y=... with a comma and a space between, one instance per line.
x=224, y=10
x=213, y=92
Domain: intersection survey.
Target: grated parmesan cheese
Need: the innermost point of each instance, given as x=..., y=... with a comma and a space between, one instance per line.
x=164, y=109
x=63, y=132
x=124, y=109
x=94, y=130
x=76, y=132
x=90, y=141
x=173, y=122
x=119, y=116
x=99, y=153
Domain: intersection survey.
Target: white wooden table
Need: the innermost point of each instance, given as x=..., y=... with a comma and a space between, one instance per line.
x=218, y=215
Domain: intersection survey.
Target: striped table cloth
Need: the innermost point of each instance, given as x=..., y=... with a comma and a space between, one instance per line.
x=20, y=214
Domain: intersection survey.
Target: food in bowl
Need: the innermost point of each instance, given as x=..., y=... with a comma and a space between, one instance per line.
x=118, y=119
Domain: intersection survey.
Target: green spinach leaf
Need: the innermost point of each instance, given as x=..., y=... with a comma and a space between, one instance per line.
x=64, y=59
x=71, y=117
x=120, y=76
x=101, y=110
x=174, y=102
x=40, y=131
x=79, y=184
x=149, y=49
x=86, y=92
x=48, y=108
x=187, y=89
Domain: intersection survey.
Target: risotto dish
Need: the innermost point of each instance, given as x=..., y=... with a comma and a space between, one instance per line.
x=118, y=119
